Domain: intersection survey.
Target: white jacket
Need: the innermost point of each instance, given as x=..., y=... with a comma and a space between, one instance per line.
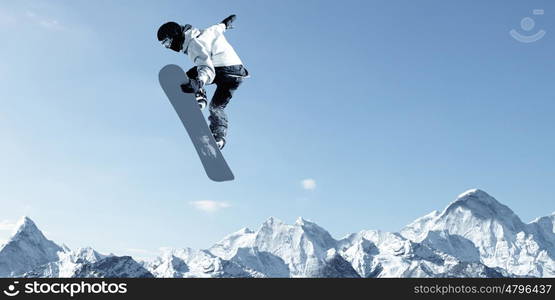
x=208, y=49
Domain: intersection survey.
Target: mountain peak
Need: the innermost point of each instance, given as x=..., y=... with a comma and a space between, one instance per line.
x=244, y=230
x=476, y=194
x=272, y=221
x=26, y=249
x=26, y=226
x=483, y=206
x=300, y=221
x=25, y=221
x=470, y=215
x=27, y=230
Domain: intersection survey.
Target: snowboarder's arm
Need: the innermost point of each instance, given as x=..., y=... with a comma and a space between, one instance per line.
x=201, y=58
x=223, y=25
x=216, y=29
x=227, y=21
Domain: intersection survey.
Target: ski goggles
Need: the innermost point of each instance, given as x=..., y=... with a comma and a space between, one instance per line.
x=167, y=42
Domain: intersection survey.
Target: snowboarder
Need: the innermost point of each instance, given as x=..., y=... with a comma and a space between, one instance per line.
x=216, y=62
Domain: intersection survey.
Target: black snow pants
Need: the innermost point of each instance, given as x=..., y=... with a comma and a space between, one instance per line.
x=227, y=81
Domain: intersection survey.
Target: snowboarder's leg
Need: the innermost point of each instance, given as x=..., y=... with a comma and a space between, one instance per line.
x=226, y=86
x=201, y=94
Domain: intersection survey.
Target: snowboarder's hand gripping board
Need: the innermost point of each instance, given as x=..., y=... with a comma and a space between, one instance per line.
x=171, y=78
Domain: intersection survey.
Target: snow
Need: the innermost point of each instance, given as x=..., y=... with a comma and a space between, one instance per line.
x=502, y=239
x=300, y=248
x=181, y=263
x=113, y=267
x=26, y=249
x=418, y=229
x=474, y=236
x=68, y=264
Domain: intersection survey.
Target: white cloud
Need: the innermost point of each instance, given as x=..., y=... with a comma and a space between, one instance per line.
x=51, y=24
x=6, y=230
x=6, y=225
x=209, y=205
x=309, y=184
x=13, y=17
x=45, y=22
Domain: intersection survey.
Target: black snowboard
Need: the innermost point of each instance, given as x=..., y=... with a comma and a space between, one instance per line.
x=171, y=77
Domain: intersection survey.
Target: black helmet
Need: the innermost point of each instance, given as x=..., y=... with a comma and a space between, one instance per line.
x=171, y=35
x=169, y=30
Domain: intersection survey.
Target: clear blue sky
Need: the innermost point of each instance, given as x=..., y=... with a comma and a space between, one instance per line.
x=393, y=108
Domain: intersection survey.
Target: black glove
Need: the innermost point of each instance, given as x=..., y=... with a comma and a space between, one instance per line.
x=193, y=86
x=227, y=21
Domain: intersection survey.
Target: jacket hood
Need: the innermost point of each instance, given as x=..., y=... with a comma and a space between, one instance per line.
x=190, y=34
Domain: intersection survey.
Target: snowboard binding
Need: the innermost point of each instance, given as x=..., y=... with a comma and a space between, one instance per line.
x=220, y=141
x=202, y=103
x=200, y=93
x=201, y=98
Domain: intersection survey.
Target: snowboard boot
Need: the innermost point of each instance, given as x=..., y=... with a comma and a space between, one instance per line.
x=201, y=99
x=220, y=141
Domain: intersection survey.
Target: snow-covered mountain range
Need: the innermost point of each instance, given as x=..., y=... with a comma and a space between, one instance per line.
x=474, y=236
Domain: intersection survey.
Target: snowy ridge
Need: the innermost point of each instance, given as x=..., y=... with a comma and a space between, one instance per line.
x=281, y=250
x=502, y=239
x=190, y=263
x=27, y=249
x=68, y=263
x=474, y=236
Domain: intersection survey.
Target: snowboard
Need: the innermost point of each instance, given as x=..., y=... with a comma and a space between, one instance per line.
x=171, y=78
